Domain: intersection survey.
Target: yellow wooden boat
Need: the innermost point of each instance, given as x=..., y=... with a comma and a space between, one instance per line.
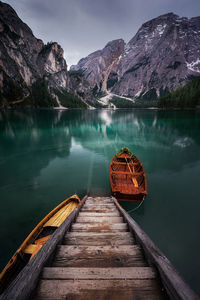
x=36, y=239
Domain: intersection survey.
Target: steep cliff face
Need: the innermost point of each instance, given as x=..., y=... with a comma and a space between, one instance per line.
x=25, y=60
x=97, y=67
x=163, y=55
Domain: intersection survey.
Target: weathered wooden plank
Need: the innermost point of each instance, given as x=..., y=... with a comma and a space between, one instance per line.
x=24, y=284
x=98, y=256
x=99, y=273
x=98, y=214
x=98, y=219
x=175, y=286
x=98, y=234
x=98, y=240
x=147, y=289
x=99, y=227
x=99, y=205
x=99, y=199
x=100, y=210
x=84, y=251
x=99, y=202
x=94, y=200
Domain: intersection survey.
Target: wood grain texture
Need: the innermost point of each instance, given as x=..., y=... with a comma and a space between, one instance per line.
x=98, y=239
x=98, y=256
x=98, y=214
x=99, y=204
x=100, y=210
x=99, y=219
x=99, y=289
x=99, y=273
x=98, y=234
x=84, y=251
x=98, y=227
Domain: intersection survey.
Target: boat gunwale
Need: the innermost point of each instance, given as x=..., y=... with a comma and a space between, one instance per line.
x=34, y=233
x=23, y=286
x=142, y=192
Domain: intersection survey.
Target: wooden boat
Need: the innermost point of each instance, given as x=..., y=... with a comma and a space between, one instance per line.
x=36, y=239
x=127, y=177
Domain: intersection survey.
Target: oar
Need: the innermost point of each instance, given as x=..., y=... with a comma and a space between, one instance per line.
x=133, y=178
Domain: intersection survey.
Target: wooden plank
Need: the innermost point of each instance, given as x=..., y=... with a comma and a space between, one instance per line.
x=98, y=214
x=24, y=284
x=175, y=286
x=98, y=256
x=99, y=227
x=30, y=249
x=99, y=273
x=98, y=240
x=99, y=210
x=98, y=235
x=84, y=251
x=57, y=219
x=127, y=173
x=124, y=163
x=146, y=289
x=101, y=200
x=101, y=219
x=96, y=207
x=99, y=204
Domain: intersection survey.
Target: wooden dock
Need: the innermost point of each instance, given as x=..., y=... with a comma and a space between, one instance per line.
x=99, y=259
x=99, y=253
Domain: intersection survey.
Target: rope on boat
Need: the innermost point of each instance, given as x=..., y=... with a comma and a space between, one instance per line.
x=134, y=209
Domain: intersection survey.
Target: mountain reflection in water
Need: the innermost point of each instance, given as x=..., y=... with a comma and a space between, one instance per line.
x=47, y=155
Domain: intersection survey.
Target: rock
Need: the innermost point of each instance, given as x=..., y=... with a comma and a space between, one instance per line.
x=25, y=60
x=97, y=66
x=163, y=55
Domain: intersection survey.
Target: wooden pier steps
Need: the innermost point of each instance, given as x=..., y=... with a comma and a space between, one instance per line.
x=99, y=259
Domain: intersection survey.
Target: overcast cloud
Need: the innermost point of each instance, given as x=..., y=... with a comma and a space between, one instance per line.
x=84, y=26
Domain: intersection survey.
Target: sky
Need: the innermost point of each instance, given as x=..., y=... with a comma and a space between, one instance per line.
x=84, y=26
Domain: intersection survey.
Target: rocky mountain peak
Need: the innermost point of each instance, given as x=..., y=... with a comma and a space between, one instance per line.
x=164, y=54
x=97, y=66
x=25, y=59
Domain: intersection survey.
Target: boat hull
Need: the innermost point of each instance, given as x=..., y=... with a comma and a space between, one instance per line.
x=127, y=177
x=36, y=239
x=129, y=198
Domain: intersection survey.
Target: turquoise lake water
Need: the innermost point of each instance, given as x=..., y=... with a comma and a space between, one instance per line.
x=45, y=156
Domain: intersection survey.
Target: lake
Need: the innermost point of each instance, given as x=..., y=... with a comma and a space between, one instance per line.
x=47, y=155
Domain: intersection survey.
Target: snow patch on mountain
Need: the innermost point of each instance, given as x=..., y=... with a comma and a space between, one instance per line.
x=193, y=66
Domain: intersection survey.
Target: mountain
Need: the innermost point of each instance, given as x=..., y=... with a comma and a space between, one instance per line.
x=163, y=55
x=31, y=73
x=183, y=97
x=97, y=66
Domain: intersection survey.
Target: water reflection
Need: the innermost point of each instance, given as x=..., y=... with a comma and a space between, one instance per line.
x=47, y=155
x=152, y=135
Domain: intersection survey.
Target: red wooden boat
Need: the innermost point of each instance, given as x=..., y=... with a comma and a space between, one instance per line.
x=127, y=177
